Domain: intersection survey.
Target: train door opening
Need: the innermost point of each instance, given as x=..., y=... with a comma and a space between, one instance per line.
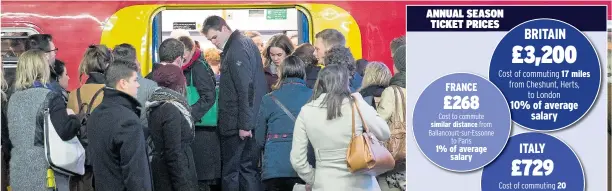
x=174, y=22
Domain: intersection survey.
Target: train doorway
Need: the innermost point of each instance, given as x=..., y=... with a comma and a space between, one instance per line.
x=144, y=26
x=264, y=21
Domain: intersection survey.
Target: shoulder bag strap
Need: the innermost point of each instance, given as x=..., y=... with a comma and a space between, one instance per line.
x=365, y=126
x=283, y=107
x=352, y=120
x=79, y=101
x=191, y=78
x=94, y=99
x=399, y=91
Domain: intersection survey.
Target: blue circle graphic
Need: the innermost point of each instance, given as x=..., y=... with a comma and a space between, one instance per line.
x=549, y=73
x=534, y=161
x=461, y=122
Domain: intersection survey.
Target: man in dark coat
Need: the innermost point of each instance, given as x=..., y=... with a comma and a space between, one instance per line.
x=116, y=136
x=242, y=85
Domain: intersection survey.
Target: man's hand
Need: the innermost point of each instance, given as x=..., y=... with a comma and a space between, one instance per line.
x=244, y=134
x=308, y=187
x=69, y=111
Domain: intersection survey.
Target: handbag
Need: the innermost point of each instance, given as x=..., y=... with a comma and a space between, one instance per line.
x=365, y=154
x=210, y=118
x=397, y=143
x=66, y=157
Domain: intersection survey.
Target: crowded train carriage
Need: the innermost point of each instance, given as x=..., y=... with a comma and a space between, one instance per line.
x=150, y=95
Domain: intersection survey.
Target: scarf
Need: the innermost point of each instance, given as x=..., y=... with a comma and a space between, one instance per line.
x=399, y=79
x=165, y=95
x=38, y=84
x=162, y=96
x=194, y=58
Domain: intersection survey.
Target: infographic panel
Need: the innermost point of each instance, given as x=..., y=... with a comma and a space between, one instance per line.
x=507, y=97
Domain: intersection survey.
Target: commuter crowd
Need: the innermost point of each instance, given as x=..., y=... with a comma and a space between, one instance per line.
x=245, y=116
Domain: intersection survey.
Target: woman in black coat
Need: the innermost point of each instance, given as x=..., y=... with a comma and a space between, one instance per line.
x=171, y=132
x=206, y=146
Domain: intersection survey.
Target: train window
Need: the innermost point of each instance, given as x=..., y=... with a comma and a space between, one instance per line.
x=13, y=44
x=267, y=22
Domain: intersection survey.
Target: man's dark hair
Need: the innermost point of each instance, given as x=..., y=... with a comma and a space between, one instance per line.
x=124, y=51
x=187, y=41
x=40, y=42
x=331, y=38
x=170, y=49
x=214, y=22
x=118, y=70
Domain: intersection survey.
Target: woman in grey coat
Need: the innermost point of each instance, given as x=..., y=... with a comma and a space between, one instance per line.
x=26, y=108
x=326, y=122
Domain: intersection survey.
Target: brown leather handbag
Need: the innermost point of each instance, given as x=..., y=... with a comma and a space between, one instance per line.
x=397, y=143
x=366, y=155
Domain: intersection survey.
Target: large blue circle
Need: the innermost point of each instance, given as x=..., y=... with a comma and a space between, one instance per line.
x=461, y=122
x=529, y=89
x=566, y=174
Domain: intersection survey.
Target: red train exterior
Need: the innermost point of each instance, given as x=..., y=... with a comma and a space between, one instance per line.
x=76, y=24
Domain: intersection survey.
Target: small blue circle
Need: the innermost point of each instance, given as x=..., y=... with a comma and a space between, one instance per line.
x=461, y=122
x=534, y=161
x=549, y=73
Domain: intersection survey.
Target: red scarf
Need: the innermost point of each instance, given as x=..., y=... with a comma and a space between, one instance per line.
x=194, y=58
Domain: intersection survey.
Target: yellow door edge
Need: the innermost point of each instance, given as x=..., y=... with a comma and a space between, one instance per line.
x=132, y=25
x=327, y=16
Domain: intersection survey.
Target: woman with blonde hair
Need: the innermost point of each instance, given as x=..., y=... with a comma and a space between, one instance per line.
x=26, y=109
x=376, y=78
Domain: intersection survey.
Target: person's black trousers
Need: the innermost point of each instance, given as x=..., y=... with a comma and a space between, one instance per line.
x=239, y=159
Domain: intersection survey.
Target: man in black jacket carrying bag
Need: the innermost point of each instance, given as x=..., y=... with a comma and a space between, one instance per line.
x=241, y=87
x=116, y=136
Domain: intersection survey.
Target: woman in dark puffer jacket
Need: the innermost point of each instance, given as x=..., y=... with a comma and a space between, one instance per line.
x=171, y=132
